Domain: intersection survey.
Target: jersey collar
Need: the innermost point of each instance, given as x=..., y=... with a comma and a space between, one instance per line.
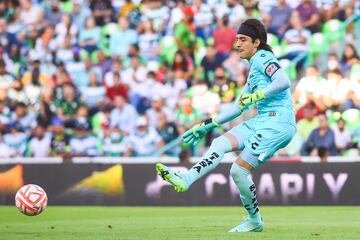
x=252, y=59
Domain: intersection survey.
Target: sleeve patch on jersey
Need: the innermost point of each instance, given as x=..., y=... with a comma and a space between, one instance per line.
x=272, y=68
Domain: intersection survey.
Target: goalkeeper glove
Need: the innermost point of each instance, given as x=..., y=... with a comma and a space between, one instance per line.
x=194, y=135
x=246, y=99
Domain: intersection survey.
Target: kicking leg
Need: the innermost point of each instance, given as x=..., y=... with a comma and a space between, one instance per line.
x=240, y=171
x=211, y=159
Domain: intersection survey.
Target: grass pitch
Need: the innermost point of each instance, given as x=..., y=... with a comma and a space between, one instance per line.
x=166, y=223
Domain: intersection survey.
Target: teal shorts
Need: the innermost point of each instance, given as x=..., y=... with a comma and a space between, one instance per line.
x=263, y=136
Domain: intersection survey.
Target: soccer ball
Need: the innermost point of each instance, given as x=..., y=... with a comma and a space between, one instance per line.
x=31, y=200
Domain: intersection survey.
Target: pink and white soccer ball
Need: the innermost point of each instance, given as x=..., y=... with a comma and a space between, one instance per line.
x=31, y=200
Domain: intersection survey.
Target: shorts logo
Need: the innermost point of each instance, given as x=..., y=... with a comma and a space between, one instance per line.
x=271, y=69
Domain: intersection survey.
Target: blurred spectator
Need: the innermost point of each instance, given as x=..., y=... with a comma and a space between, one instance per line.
x=5, y=115
x=116, y=144
x=209, y=63
x=122, y=38
x=157, y=106
x=65, y=52
x=119, y=88
x=89, y=36
x=16, y=93
x=328, y=9
x=309, y=15
x=102, y=11
x=39, y=144
x=7, y=10
x=5, y=150
x=350, y=57
x=109, y=76
x=203, y=19
x=223, y=87
x=53, y=15
x=35, y=76
x=297, y=39
x=236, y=68
x=233, y=9
x=168, y=132
x=93, y=95
x=145, y=140
x=321, y=137
x=224, y=37
x=186, y=115
x=278, y=18
x=31, y=15
x=123, y=115
x=333, y=62
x=83, y=143
x=45, y=113
x=16, y=138
x=342, y=136
x=7, y=40
x=60, y=140
x=183, y=64
x=175, y=86
x=149, y=41
x=309, y=122
x=157, y=12
x=337, y=90
x=66, y=28
x=67, y=106
x=185, y=32
x=176, y=15
x=310, y=88
x=23, y=117
x=80, y=12
x=136, y=76
x=6, y=78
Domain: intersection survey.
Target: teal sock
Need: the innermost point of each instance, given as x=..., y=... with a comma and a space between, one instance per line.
x=210, y=160
x=247, y=190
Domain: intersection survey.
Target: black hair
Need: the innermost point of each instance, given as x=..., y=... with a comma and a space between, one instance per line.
x=260, y=32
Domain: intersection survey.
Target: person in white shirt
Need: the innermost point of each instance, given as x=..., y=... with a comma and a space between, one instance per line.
x=39, y=145
x=145, y=141
x=123, y=116
x=342, y=136
x=83, y=143
x=16, y=139
x=297, y=39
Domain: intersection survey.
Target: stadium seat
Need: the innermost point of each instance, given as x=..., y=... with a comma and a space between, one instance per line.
x=352, y=118
x=317, y=44
x=105, y=33
x=273, y=41
x=168, y=49
x=331, y=29
x=289, y=68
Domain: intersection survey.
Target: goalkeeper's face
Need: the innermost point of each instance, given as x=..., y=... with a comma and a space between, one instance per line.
x=245, y=46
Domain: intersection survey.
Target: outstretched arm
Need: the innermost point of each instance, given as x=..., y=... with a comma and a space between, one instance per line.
x=193, y=135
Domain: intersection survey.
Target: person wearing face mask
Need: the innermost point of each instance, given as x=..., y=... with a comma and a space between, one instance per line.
x=333, y=62
x=115, y=144
x=145, y=140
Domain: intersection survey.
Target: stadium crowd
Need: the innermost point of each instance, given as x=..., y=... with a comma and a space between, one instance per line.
x=125, y=78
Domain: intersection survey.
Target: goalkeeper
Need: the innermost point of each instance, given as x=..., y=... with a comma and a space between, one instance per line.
x=268, y=87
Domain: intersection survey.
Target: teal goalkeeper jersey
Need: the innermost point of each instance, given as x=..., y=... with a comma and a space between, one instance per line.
x=263, y=67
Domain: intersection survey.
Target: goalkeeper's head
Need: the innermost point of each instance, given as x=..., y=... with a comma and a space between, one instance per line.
x=251, y=37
